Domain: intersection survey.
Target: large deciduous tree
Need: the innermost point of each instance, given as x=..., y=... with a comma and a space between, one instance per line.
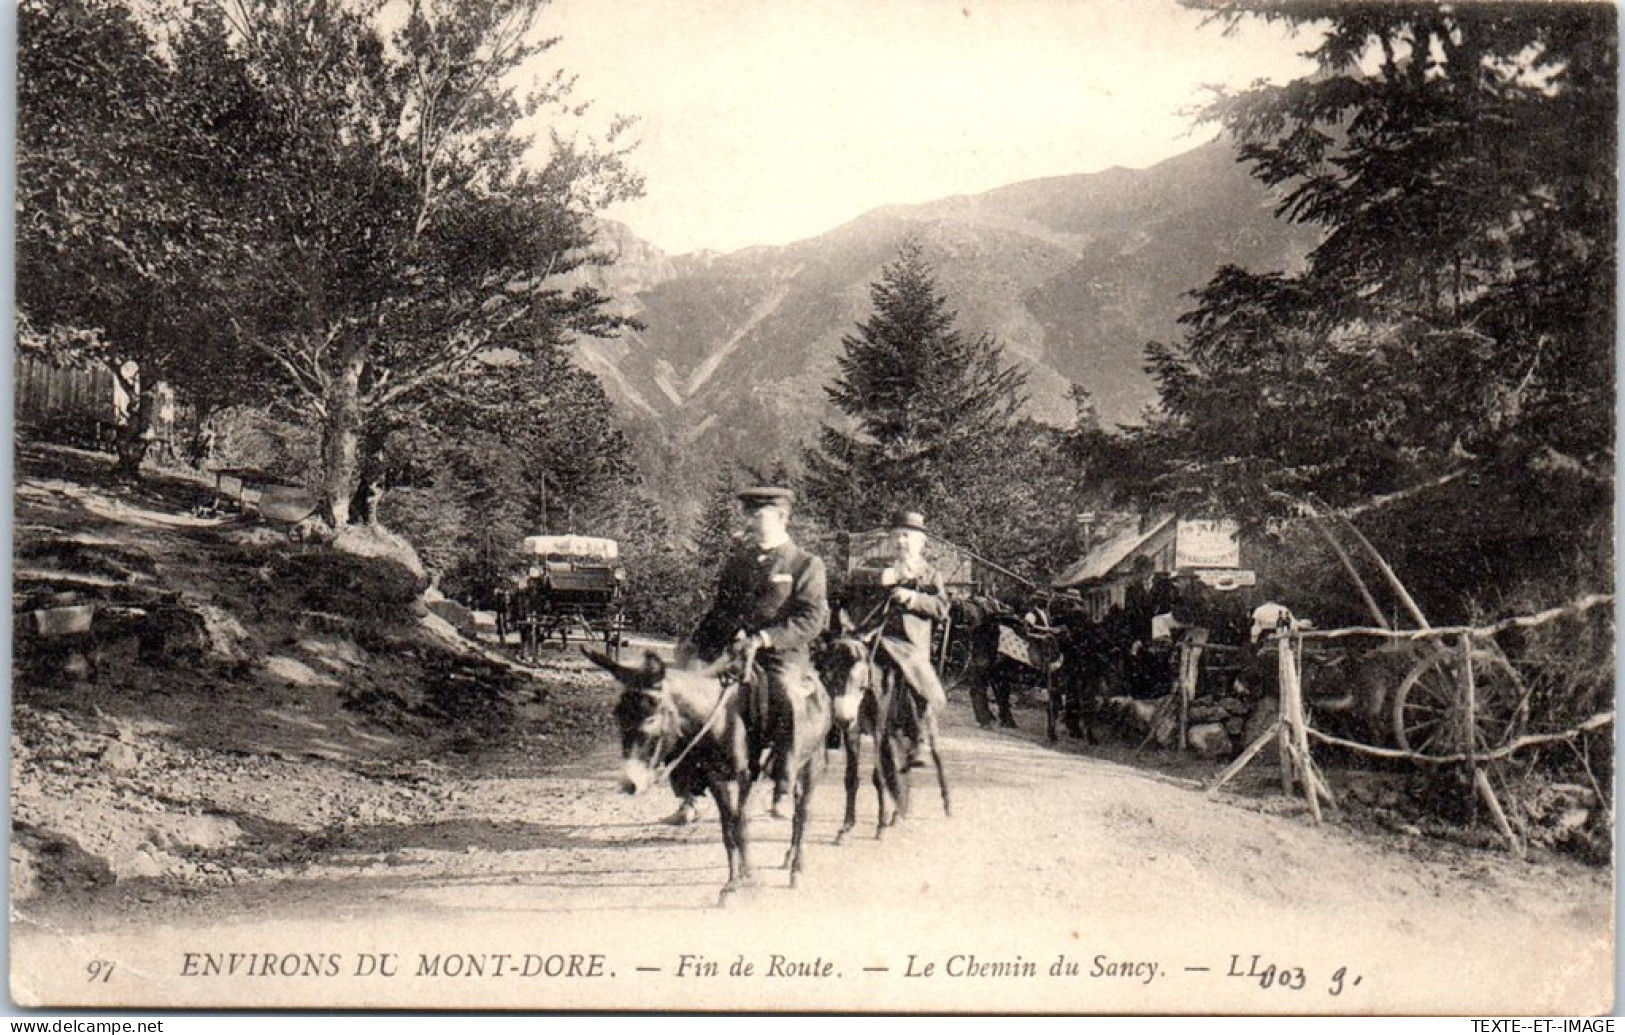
x=406, y=233
x=1460, y=308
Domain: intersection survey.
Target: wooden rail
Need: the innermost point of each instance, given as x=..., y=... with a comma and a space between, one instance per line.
x=1292, y=731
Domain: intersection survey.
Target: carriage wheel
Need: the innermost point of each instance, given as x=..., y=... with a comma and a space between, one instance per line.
x=1430, y=717
x=956, y=666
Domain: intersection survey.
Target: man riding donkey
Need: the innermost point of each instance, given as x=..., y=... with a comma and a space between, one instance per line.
x=770, y=605
x=914, y=599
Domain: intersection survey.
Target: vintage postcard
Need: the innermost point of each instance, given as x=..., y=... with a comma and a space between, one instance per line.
x=1010, y=507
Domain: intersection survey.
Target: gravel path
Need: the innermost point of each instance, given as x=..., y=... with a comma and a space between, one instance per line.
x=550, y=890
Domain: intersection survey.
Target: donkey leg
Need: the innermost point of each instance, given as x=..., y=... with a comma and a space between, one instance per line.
x=936, y=761
x=728, y=814
x=742, y=834
x=854, y=746
x=878, y=775
x=900, y=776
x=804, y=791
x=1052, y=708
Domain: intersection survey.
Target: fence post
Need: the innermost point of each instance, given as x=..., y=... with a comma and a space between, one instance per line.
x=1481, y=779
x=1286, y=685
x=1294, y=736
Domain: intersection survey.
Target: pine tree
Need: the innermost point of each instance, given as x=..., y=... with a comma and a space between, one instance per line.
x=1460, y=160
x=925, y=403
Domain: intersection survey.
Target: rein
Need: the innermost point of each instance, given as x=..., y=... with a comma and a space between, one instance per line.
x=663, y=771
x=875, y=619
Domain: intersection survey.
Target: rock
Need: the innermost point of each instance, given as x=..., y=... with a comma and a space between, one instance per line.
x=1572, y=819
x=374, y=541
x=64, y=621
x=24, y=877
x=1166, y=729
x=191, y=833
x=120, y=757
x=1137, y=714
x=1259, y=721
x=227, y=639
x=458, y=615
x=1209, y=740
x=78, y=665
x=292, y=670
x=135, y=865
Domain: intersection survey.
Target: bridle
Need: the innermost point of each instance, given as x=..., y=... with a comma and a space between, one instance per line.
x=668, y=712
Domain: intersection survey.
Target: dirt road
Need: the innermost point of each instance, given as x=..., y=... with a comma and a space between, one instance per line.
x=1063, y=881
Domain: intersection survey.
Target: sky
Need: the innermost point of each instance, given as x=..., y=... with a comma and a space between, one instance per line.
x=770, y=121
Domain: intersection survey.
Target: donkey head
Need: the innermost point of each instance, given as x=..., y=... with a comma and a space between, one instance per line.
x=646, y=717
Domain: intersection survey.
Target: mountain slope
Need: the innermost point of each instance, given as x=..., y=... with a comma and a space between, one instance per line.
x=1072, y=275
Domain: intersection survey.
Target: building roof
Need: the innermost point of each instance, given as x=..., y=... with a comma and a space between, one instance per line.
x=1102, y=561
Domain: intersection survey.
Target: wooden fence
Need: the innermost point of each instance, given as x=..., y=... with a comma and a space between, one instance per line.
x=1292, y=731
x=85, y=406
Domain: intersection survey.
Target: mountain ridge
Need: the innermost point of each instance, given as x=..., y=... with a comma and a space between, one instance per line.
x=1071, y=274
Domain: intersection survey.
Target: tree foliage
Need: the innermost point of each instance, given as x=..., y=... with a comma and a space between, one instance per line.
x=510, y=453
x=925, y=403
x=124, y=234
x=1460, y=307
x=405, y=236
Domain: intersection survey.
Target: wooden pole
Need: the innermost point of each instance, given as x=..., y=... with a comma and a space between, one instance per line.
x=1190, y=661
x=1348, y=566
x=1246, y=756
x=1388, y=573
x=1283, y=679
x=1481, y=781
x=1294, y=736
x=1469, y=703
x=1184, y=714
x=1469, y=735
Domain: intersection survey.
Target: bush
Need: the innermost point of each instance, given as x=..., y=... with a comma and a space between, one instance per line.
x=358, y=587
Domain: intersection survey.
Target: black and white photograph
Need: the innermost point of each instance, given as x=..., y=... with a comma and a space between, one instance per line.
x=881, y=507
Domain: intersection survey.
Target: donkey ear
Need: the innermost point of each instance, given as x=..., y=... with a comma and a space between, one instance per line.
x=638, y=678
x=654, y=670
x=843, y=621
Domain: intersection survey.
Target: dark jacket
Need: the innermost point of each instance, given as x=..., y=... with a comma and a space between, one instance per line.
x=780, y=591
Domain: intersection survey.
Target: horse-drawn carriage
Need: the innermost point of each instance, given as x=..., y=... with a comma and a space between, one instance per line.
x=574, y=585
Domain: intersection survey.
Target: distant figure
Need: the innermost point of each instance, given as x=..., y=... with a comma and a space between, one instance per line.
x=202, y=457
x=990, y=669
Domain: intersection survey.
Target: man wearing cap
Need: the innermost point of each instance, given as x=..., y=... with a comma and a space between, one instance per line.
x=771, y=601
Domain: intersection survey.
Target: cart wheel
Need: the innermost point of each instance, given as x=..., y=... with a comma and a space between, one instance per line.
x=1429, y=713
x=956, y=667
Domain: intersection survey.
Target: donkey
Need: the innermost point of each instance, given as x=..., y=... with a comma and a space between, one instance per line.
x=692, y=726
x=875, y=699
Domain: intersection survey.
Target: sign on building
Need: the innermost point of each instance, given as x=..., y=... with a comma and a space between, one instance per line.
x=1207, y=544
